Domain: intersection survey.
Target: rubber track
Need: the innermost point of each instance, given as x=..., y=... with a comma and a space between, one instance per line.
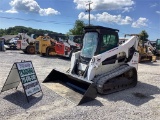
x=102, y=79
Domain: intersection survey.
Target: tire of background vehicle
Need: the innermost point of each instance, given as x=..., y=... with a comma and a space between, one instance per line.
x=47, y=52
x=150, y=58
x=25, y=51
x=31, y=50
x=49, y=49
x=43, y=54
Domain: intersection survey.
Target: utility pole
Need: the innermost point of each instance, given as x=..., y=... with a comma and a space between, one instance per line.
x=89, y=10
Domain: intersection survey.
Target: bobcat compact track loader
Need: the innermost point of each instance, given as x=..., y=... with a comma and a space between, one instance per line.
x=102, y=66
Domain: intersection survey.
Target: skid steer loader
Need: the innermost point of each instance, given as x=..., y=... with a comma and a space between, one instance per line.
x=102, y=66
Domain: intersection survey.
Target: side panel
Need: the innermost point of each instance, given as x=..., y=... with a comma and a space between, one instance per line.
x=107, y=68
x=37, y=44
x=60, y=48
x=44, y=44
x=134, y=61
x=24, y=44
x=18, y=44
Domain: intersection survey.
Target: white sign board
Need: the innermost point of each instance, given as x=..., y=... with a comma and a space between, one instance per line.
x=13, y=79
x=23, y=72
x=28, y=78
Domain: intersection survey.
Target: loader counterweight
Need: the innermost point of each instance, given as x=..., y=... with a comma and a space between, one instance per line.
x=75, y=90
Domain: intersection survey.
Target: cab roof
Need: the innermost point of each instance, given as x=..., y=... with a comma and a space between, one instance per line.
x=100, y=28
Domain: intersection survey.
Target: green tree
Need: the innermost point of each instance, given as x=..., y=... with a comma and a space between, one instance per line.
x=78, y=28
x=143, y=35
x=20, y=29
x=2, y=32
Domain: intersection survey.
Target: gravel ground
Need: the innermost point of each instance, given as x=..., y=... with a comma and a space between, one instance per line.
x=140, y=102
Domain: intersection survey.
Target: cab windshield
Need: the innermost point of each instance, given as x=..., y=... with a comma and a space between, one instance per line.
x=89, y=44
x=158, y=44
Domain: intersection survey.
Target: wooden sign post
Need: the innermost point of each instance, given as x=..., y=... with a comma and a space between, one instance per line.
x=23, y=72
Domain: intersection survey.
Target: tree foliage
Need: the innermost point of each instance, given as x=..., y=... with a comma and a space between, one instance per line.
x=78, y=28
x=143, y=35
x=21, y=29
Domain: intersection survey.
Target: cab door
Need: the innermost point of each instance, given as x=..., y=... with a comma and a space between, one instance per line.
x=109, y=42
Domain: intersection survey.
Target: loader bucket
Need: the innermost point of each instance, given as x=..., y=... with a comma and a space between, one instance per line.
x=76, y=90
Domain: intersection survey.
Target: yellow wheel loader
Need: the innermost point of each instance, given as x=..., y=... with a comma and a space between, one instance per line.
x=102, y=66
x=146, y=52
x=61, y=45
x=45, y=45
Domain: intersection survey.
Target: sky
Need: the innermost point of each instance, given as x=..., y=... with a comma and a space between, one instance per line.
x=129, y=16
